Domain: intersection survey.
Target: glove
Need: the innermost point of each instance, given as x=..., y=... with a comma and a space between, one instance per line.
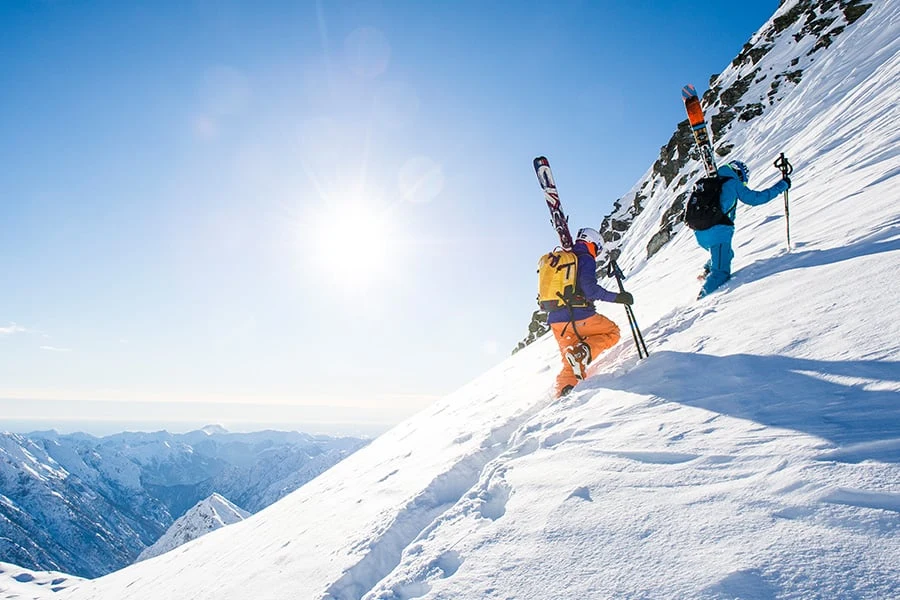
x=624, y=298
x=787, y=180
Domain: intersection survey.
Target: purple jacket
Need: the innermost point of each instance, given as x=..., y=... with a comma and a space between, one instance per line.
x=586, y=285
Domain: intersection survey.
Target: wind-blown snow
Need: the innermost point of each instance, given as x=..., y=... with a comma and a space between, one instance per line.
x=754, y=454
x=25, y=584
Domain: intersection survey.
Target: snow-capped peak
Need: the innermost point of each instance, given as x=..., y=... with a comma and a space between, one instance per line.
x=214, y=429
x=207, y=515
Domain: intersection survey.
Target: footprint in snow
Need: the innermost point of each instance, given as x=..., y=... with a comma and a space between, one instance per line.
x=447, y=563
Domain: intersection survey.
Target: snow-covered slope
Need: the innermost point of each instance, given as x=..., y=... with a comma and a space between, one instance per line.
x=755, y=454
x=24, y=584
x=207, y=515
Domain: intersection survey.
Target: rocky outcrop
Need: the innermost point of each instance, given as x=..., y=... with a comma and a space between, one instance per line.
x=536, y=329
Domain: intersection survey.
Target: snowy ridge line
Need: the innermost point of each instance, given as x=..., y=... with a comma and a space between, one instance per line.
x=422, y=514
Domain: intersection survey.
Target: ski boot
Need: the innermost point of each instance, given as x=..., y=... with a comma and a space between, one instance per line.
x=579, y=357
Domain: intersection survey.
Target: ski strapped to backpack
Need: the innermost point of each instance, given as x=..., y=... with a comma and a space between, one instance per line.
x=698, y=128
x=704, y=206
x=557, y=218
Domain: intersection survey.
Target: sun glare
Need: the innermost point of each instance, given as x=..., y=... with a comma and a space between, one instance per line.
x=352, y=242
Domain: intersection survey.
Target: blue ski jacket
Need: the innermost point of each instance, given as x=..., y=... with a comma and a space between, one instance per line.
x=732, y=191
x=586, y=277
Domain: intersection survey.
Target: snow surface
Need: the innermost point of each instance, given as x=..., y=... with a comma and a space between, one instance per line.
x=755, y=454
x=25, y=584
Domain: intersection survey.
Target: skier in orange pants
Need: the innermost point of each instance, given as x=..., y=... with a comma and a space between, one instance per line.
x=581, y=333
x=598, y=332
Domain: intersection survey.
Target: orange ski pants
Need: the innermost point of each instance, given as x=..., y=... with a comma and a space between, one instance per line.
x=597, y=331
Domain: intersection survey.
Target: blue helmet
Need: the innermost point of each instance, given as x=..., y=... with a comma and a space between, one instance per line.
x=741, y=170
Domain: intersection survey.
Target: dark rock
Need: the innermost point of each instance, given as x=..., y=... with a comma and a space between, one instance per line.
x=825, y=40
x=751, y=111
x=658, y=240
x=752, y=52
x=674, y=155
x=733, y=95
x=793, y=76
x=724, y=149
x=854, y=10
x=667, y=224
x=536, y=329
x=790, y=17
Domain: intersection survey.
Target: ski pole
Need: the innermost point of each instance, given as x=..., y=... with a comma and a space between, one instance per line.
x=786, y=169
x=613, y=270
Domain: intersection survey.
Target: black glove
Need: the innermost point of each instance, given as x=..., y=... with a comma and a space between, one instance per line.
x=624, y=298
x=787, y=180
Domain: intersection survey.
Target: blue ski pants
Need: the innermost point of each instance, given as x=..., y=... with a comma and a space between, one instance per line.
x=719, y=265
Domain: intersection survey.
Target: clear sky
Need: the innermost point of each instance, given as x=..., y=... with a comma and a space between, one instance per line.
x=264, y=213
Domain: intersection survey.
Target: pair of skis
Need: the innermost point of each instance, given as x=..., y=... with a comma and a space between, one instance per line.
x=561, y=225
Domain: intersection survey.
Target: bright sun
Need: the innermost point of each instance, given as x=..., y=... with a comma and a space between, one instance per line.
x=352, y=242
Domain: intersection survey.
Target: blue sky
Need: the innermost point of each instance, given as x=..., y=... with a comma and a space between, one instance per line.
x=274, y=205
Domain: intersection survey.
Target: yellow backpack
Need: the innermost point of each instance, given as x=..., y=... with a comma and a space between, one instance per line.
x=557, y=274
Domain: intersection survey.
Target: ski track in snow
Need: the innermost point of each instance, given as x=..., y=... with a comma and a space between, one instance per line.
x=383, y=553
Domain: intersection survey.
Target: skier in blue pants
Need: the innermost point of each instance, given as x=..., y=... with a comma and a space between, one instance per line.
x=717, y=239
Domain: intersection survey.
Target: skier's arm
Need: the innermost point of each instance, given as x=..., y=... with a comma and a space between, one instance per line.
x=754, y=198
x=587, y=281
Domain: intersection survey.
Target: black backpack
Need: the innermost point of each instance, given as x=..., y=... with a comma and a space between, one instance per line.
x=703, y=208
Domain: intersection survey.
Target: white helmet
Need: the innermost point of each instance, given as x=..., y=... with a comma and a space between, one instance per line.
x=587, y=234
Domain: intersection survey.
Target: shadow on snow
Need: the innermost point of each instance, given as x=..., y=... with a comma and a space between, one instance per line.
x=884, y=240
x=845, y=402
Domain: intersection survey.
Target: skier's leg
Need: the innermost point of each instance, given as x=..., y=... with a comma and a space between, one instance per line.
x=565, y=338
x=599, y=332
x=720, y=255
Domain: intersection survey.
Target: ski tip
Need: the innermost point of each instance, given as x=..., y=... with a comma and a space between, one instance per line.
x=541, y=160
x=688, y=91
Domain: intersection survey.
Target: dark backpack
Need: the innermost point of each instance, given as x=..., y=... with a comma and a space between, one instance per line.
x=704, y=208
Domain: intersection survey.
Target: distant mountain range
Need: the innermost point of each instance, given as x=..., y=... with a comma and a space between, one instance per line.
x=88, y=506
